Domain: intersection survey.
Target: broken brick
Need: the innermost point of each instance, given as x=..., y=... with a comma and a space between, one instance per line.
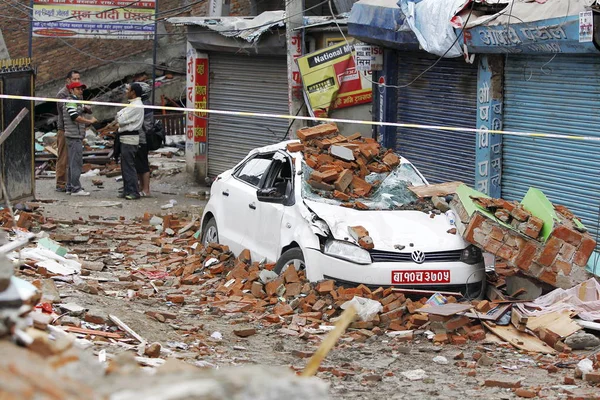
x=314, y=132
x=360, y=187
x=295, y=147
x=507, y=383
x=244, y=332
x=325, y=286
x=343, y=181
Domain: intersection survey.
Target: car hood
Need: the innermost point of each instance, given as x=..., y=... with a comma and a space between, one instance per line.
x=389, y=229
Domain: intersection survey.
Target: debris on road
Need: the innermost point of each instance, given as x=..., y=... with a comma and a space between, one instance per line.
x=533, y=237
x=157, y=262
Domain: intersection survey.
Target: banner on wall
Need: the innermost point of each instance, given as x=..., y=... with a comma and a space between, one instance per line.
x=331, y=79
x=98, y=19
x=196, y=97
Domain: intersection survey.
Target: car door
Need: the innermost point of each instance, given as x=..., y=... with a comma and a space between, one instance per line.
x=240, y=213
x=267, y=241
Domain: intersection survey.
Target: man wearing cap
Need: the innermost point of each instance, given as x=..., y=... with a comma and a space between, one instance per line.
x=62, y=161
x=130, y=121
x=74, y=124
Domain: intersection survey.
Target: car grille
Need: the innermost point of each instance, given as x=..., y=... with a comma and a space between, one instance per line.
x=433, y=256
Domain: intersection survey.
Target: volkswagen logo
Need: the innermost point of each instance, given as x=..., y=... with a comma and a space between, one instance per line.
x=418, y=256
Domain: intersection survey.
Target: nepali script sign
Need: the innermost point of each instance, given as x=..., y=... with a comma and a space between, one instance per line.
x=101, y=19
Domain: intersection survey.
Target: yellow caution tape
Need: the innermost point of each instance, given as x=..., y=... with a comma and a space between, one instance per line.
x=297, y=117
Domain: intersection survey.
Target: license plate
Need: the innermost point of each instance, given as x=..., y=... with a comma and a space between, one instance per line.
x=420, y=277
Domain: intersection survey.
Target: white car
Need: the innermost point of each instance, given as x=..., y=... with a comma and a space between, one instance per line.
x=265, y=205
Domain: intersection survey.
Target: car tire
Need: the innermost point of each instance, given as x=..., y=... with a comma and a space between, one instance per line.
x=291, y=256
x=210, y=233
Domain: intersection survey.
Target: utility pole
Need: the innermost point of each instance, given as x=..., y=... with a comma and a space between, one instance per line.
x=294, y=38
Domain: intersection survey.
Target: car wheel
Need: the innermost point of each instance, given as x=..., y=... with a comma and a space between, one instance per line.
x=292, y=257
x=210, y=234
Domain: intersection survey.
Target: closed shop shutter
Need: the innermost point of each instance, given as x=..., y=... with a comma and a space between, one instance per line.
x=446, y=95
x=243, y=83
x=559, y=96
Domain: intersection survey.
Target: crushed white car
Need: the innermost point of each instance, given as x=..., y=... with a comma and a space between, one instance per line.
x=265, y=205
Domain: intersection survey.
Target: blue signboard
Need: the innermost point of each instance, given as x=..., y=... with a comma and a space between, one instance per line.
x=557, y=35
x=488, y=153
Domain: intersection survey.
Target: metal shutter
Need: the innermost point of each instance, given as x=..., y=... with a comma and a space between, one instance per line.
x=244, y=83
x=560, y=96
x=445, y=95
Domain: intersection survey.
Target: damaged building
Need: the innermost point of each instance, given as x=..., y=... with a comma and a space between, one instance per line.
x=526, y=67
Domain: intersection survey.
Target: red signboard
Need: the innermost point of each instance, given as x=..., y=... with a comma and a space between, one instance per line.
x=197, y=96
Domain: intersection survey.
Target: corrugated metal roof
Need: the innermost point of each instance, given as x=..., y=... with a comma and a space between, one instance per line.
x=247, y=28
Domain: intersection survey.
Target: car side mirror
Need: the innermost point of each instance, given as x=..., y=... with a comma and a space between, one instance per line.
x=270, y=195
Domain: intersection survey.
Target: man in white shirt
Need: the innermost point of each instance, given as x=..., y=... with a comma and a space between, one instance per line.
x=130, y=121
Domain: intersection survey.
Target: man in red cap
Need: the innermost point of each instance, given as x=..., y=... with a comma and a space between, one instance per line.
x=62, y=161
x=75, y=124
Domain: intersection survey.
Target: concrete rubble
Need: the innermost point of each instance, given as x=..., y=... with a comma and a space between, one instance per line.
x=552, y=247
x=157, y=260
x=132, y=307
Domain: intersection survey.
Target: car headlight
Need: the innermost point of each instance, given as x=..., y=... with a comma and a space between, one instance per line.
x=471, y=255
x=347, y=251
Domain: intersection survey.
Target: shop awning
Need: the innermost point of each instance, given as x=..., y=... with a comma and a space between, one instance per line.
x=381, y=22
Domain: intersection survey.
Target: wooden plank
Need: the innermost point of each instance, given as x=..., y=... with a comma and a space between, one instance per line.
x=126, y=328
x=493, y=315
x=13, y=124
x=520, y=340
x=518, y=319
x=74, y=329
x=330, y=340
x=440, y=189
x=445, y=309
x=51, y=150
x=556, y=322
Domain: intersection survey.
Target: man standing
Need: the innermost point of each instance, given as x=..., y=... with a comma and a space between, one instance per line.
x=142, y=165
x=129, y=122
x=74, y=124
x=62, y=161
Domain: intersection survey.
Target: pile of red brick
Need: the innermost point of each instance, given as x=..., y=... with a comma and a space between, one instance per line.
x=233, y=285
x=559, y=261
x=514, y=214
x=341, y=163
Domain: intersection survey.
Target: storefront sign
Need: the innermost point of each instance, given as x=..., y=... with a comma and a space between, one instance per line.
x=295, y=47
x=196, y=97
x=586, y=26
x=488, y=153
x=368, y=58
x=558, y=35
x=97, y=19
x=331, y=80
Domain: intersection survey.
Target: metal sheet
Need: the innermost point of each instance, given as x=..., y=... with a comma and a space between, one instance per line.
x=16, y=157
x=244, y=83
x=445, y=95
x=560, y=95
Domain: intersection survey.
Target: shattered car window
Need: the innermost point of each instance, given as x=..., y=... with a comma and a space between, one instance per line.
x=390, y=189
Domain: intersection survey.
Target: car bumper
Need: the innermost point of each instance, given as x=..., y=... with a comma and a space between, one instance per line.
x=321, y=266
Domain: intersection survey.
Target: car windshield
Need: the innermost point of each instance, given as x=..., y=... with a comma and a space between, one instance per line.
x=390, y=190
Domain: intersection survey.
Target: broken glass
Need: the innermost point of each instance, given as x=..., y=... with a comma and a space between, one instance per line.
x=390, y=190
